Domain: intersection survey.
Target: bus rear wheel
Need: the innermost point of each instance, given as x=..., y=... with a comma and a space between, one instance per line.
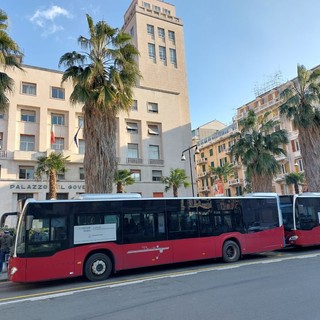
x=98, y=267
x=230, y=251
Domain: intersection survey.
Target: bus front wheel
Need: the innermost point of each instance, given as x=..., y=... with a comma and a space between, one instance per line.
x=230, y=251
x=98, y=267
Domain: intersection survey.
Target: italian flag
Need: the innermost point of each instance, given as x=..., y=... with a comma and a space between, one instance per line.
x=52, y=137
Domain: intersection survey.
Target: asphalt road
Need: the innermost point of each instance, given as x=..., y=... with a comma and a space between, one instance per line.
x=279, y=285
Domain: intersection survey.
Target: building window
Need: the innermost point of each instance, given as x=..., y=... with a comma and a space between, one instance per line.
x=173, y=57
x=27, y=142
x=156, y=175
x=134, y=106
x=212, y=164
x=24, y=196
x=222, y=148
x=172, y=37
x=239, y=191
x=80, y=122
x=29, y=88
x=152, y=51
x=166, y=11
x=162, y=55
x=152, y=107
x=81, y=173
x=133, y=151
x=150, y=30
x=154, y=153
x=156, y=8
x=28, y=115
x=223, y=161
x=300, y=164
x=146, y=5
x=295, y=145
x=161, y=33
x=82, y=147
x=132, y=127
x=211, y=152
x=132, y=31
x=136, y=174
x=61, y=176
x=57, y=93
x=57, y=119
x=228, y=192
x=58, y=145
x=153, y=129
x=26, y=172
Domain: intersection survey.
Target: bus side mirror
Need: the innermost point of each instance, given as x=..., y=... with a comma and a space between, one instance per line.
x=29, y=222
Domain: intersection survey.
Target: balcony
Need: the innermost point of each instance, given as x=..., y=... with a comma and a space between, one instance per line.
x=156, y=162
x=202, y=161
x=202, y=174
x=204, y=189
x=134, y=161
x=235, y=182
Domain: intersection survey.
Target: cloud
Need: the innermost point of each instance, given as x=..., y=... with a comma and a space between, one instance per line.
x=45, y=19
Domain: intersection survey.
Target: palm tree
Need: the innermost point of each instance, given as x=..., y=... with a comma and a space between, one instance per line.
x=294, y=178
x=256, y=146
x=175, y=180
x=103, y=76
x=50, y=166
x=9, y=54
x=123, y=178
x=301, y=103
x=222, y=172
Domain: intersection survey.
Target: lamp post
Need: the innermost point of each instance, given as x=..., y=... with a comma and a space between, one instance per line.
x=183, y=158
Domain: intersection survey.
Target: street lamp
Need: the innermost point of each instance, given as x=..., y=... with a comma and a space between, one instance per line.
x=183, y=158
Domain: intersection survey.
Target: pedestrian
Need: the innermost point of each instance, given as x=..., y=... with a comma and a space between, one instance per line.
x=6, y=242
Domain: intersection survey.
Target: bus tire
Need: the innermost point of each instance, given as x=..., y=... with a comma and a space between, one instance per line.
x=230, y=251
x=98, y=267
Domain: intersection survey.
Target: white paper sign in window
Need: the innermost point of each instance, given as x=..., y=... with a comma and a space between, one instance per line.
x=95, y=233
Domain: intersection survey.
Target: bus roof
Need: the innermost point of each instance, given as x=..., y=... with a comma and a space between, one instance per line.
x=105, y=196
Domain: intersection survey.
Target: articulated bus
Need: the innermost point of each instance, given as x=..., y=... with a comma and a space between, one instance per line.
x=97, y=237
x=301, y=219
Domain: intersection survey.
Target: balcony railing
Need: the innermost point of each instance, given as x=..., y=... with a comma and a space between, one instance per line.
x=134, y=160
x=202, y=160
x=234, y=182
x=157, y=162
x=202, y=174
x=204, y=189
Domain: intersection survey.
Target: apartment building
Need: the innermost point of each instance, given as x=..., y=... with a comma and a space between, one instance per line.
x=214, y=150
x=150, y=137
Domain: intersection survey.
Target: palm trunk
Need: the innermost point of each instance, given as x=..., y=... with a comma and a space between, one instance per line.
x=310, y=151
x=100, y=151
x=261, y=183
x=119, y=187
x=296, y=188
x=52, y=185
x=175, y=191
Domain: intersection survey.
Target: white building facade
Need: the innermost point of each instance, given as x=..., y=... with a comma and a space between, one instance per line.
x=149, y=139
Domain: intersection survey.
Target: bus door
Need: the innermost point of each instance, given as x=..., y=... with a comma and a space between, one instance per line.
x=144, y=235
x=47, y=249
x=261, y=218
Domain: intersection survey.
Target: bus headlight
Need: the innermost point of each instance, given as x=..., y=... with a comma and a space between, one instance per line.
x=293, y=238
x=13, y=271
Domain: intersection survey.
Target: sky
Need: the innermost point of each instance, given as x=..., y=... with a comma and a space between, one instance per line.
x=233, y=47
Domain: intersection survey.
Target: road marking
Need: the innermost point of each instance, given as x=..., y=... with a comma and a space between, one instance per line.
x=115, y=284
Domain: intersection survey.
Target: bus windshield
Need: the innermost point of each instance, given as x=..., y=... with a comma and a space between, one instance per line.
x=307, y=212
